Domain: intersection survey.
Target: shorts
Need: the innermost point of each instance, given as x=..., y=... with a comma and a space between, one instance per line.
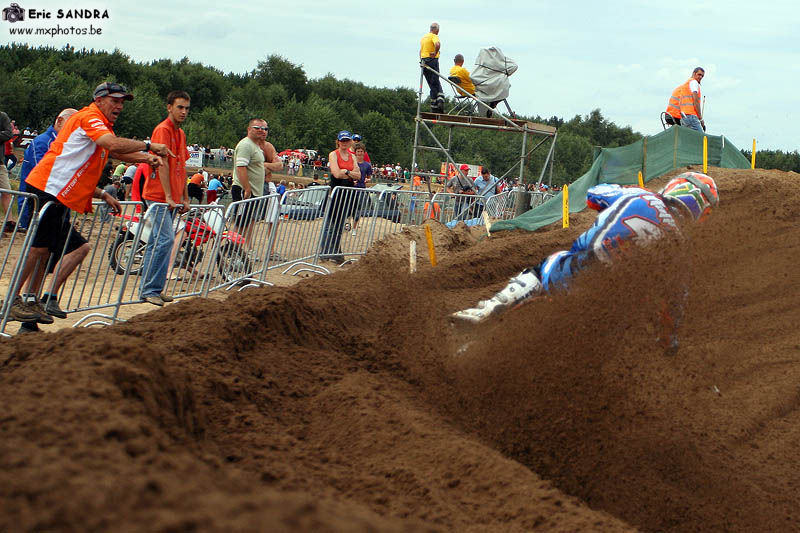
x=195, y=191
x=54, y=230
x=126, y=180
x=4, y=183
x=248, y=213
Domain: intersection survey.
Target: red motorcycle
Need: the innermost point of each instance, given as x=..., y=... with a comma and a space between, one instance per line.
x=199, y=229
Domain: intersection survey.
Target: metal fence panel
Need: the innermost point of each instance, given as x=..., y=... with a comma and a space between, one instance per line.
x=449, y=207
x=247, y=241
x=195, y=237
x=349, y=208
x=396, y=210
x=501, y=206
x=15, y=243
x=95, y=284
x=299, y=231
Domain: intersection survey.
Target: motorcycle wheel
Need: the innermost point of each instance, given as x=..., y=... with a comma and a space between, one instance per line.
x=232, y=262
x=119, y=254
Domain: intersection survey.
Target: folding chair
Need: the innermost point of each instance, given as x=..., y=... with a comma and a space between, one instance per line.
x=464, y=105
x=669, y=120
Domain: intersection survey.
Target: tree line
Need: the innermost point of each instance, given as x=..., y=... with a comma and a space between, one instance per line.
x=37, y=82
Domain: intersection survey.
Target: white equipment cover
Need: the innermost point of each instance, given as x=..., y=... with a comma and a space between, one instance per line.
x=491, y=74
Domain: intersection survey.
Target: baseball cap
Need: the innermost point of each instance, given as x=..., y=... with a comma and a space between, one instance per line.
x=344, y=135
x=464, y=168
x=112, y=89
x=356, y=137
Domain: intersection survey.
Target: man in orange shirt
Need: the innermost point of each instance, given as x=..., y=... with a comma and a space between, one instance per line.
x=196, y=187
x=68, y=175
x=171, y=189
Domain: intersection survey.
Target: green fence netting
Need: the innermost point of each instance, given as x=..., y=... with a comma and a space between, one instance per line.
x=654, y=156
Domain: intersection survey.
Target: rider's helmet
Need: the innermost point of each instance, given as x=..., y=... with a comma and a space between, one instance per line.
x=697, y=192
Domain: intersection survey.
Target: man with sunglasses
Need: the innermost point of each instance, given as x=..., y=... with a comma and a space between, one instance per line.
x=253, y=158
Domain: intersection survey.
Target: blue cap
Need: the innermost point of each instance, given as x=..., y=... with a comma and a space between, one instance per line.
x=344, y=135
x=356, y=137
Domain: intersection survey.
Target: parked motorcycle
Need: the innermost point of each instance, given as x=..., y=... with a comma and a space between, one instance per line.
x=200, y=228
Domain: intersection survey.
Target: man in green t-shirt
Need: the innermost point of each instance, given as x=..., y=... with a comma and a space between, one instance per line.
x=252, y=157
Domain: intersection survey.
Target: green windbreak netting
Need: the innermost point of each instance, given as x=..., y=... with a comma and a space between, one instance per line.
x=654, y=156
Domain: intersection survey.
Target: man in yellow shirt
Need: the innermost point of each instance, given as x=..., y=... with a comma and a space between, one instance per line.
x=462, y=74
x=429, y=47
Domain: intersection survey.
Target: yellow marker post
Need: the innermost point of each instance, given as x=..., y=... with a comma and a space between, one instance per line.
x=565, y=215
x=705, y=155
x=753, y=156
x=431, y=249
x=641, y=181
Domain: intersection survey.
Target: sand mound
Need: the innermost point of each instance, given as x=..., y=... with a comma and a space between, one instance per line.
x=349, y=403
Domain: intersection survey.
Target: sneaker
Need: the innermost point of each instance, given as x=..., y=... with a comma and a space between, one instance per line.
x=525, y=285
x=28, y=327
x=166, y=298
x=353, y=233
x=9, y=227
x=51, y=307
x=155, y=299
x=22, y=311
x=44, y=317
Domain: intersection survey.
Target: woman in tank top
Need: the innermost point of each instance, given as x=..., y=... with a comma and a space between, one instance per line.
x=344, y=170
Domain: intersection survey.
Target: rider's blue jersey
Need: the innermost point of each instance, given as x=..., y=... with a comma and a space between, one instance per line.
x=633, y=215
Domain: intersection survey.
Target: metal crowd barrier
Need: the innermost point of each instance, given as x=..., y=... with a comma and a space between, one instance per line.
x=538, y=198
x=18, y=241
x=94, y=285
x=345, y=208
x=355, y=218
x=448, y=207
x=193, y=263
x=501, y=206
x=396, y=210
x=246, y=241
x=216, y=248
x=302, y=216
x=91, y=286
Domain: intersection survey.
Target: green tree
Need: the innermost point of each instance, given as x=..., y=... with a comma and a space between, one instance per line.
x=278, y=70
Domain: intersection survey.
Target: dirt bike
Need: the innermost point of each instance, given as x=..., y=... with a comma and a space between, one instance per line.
x=200, y=228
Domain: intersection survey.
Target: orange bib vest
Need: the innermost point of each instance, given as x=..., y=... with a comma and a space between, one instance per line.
x=681, y=102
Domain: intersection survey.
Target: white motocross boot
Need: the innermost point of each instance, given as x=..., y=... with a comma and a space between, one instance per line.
x=523, y=286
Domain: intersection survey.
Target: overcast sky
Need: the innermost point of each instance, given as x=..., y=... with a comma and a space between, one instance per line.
x=622, y=56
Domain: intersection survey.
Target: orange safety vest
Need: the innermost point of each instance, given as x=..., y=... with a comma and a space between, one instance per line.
x=436, y=212
x=681, y=102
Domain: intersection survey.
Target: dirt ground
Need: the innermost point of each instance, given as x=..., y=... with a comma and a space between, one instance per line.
x=350, y=403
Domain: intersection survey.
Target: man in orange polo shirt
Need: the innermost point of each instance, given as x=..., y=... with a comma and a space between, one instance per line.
x=68, y=175
x=169, y=188
x=196, y=187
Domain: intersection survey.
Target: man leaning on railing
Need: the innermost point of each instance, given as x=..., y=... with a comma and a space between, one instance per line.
x=68, y=179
